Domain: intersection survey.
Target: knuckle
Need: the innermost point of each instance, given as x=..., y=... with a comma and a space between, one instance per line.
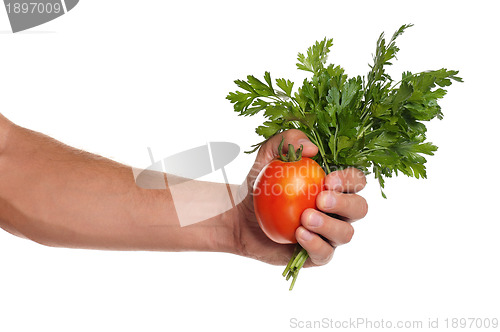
x=359, y=174
x=324, y=258
x=349, y=233
x=363, y=178
x=358, y=180
x=291, y=134
x=363, y=207
x=315, y=246
x=344, y=203
x=344, y=234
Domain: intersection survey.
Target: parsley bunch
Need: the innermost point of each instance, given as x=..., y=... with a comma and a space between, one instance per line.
x=372, y=123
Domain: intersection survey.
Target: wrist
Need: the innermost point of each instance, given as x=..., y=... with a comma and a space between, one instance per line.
x=5, y=129
x=159, y=219
x=222, y=237
x=225, y=235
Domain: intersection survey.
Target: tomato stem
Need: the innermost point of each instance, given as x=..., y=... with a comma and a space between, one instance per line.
x=293, y=155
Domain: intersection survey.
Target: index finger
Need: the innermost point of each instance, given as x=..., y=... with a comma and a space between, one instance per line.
x=349, y=180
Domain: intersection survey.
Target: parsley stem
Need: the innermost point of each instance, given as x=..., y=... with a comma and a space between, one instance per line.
x=293, y=281
x=335, y=145
x=321, y=149
x=276, y=99
x=364, y=152
x=363, y=129
x=297, y=261
x=405, y=78
x=364, y=122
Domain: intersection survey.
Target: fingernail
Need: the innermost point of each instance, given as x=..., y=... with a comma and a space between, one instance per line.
x=306, y=235
x=329, y=201
x=315, y=220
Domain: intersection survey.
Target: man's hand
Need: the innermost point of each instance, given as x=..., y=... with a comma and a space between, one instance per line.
x=60, y=196
x=320, y=233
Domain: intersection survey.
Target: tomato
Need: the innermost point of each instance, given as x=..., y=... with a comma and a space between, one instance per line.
x=282, y=191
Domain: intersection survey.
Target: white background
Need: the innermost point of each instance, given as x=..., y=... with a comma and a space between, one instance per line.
x=114, y=77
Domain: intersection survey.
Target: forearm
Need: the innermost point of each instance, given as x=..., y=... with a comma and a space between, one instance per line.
x=60, y=196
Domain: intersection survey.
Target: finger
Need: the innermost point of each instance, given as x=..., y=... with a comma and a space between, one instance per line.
x=349, y=180
x=318, y=249
x=269, y=150
x=338, y=232
x=350, y=206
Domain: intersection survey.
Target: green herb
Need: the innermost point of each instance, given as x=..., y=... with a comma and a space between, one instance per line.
x=372, y=123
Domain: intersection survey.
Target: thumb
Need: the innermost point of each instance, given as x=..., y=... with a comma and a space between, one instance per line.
x=269, y=150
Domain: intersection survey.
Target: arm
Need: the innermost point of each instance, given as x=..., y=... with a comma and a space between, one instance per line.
x=60, y=196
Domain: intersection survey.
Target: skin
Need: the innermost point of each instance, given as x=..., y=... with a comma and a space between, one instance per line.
x=341, y=186
x=60, y=196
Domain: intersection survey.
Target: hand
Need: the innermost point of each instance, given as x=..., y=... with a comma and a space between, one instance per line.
x=320, y=233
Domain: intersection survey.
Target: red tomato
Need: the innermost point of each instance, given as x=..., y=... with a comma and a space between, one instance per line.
x=282, y=191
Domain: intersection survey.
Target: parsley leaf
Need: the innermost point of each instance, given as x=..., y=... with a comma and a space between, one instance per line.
x=366, y=122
